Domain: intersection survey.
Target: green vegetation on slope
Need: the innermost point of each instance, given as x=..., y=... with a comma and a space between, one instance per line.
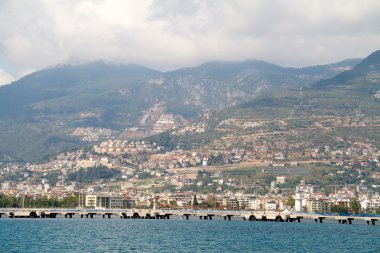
x=90, y=175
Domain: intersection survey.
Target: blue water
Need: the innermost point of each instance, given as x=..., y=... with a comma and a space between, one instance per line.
x=114, y=235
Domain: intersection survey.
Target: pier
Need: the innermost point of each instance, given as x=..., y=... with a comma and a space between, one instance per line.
x=268, y=216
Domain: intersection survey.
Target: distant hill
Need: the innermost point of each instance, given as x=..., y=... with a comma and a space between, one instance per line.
x=68, y=89
x=341, y=109
x=221, y=84
x=355, y=91
x=39, y=111
x=366, y=70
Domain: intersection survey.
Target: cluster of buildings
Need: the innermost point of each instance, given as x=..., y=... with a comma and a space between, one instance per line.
x=166, y=168
x=175, y=159
x=118, y=147
x=306, y=199
x=242, y=123
x=192, y=129
x=91, y=134
x=164, y=123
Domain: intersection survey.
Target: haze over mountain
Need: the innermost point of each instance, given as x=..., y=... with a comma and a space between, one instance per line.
x=39, y=112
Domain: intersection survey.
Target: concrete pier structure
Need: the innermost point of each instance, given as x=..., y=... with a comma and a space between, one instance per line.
x=184, y=214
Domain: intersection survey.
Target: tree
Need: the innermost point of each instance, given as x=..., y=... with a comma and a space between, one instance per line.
x=210, y=202
x=144, y=175
x=339, y=209
x=89, y=175
x=173, y=204
x=355, y=205
x=70, y=201
x=126, y=155
x=290, y=201
x=194, y=202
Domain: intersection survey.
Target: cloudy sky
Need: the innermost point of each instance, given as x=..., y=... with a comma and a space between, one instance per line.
x=169, y=34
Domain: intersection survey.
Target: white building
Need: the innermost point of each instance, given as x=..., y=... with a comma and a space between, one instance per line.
x=104, y=201
x=270, y=206
x=280, y=180
x=298, y=201
x=7, y=185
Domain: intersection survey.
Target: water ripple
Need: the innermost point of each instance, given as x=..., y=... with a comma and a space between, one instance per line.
x=115, y=235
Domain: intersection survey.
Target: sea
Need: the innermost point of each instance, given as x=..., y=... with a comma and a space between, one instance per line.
x=122, y=235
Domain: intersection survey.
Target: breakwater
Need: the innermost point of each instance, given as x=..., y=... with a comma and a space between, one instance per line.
x=187, y=214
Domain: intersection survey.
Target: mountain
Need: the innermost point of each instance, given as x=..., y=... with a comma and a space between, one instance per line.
x=215, y=85
x=40, y=111
x=350, y=101
x=335, y=112
x=367, y=70
x=355, y=91
x=61, y=89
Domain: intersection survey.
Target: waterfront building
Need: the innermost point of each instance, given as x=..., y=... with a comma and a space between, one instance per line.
x=230, y=202
x=298, y=201
x=270, y=206
x=303, y=191
x=246, y=201
x=370, y=204
x=104, y=201
x=317, y=205
x=251, y=204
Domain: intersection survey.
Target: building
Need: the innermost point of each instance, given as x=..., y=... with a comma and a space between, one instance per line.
x=104, y=201
x=164, y=123
x=298, y=201
x=303, y=191
x=370, y=204
x=280, y=180
x=7, y=185
x=94, y=161
x=316, y=205
x=87, y=163
x=270, y=206
x=305, y=188
x=230, y=202
x=251, y=203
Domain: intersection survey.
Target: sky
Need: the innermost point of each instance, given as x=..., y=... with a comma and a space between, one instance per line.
x=170, y=34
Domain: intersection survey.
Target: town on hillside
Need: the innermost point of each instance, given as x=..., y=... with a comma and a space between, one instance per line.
x=267, y=174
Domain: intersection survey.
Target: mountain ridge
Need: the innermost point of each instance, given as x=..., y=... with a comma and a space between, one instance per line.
x=368, y=64
x=51, y=103
x=347, y=62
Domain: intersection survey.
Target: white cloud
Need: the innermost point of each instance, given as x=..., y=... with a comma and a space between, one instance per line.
x=5, y=78
x=174, y=33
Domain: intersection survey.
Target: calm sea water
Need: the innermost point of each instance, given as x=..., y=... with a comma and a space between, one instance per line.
x=114, y=235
